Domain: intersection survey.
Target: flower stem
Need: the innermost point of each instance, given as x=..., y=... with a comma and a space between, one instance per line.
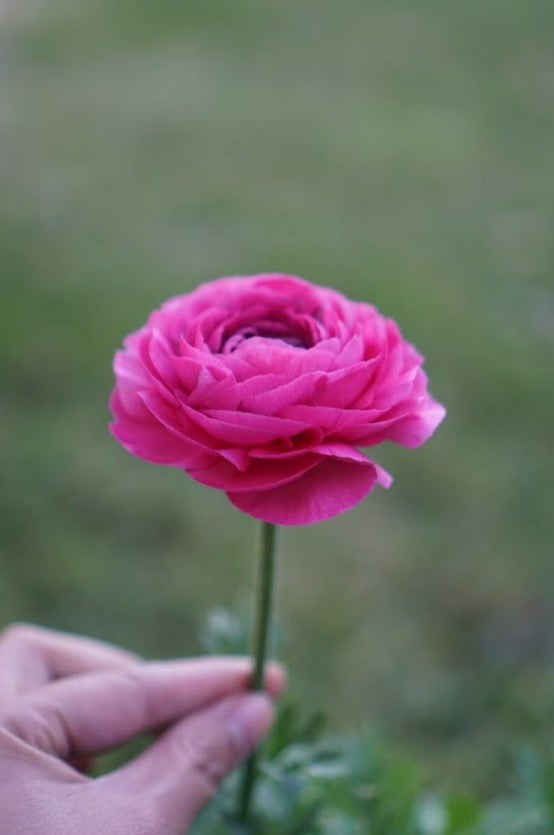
x=264, y=595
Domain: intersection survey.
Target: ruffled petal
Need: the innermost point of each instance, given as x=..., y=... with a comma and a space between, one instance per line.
x=154, y=443
x=259, y=475
x=413, y=430
x=243, y=428
x=333, y=487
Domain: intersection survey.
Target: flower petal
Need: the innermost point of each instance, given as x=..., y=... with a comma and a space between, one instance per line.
x=259, y=475
x=153, y=442
x=413, y=430
x=243, y=428
x=333, y=487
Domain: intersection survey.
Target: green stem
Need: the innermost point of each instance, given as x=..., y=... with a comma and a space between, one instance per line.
x=264, y=594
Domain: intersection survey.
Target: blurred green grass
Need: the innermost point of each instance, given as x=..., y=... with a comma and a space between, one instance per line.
x=400, y=152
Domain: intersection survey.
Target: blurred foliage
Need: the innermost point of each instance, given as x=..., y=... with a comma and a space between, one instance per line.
x=310, y=784
x=398, y=151
x=356, y=786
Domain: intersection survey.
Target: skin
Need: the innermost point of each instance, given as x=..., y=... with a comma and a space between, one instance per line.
x=65, y=699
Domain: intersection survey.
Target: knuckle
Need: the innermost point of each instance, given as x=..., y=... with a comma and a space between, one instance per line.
x=44, y=728
x=209, y=761
x=207, y=771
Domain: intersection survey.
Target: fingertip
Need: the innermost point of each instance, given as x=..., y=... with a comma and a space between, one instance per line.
x=250, y=720
x=275, y=678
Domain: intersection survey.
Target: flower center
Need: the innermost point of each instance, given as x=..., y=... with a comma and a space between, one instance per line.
x=296, y=331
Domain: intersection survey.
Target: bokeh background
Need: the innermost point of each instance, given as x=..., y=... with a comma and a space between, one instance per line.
x=402, y=152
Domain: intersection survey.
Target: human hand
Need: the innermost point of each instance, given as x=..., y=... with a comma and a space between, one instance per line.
x=65, y=699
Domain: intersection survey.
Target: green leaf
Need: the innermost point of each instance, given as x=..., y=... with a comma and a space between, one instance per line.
x=464, y=813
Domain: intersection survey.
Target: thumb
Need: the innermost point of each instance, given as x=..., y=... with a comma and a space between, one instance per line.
x=182, y=771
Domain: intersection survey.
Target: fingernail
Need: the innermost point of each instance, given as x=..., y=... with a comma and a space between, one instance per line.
x=250, y=721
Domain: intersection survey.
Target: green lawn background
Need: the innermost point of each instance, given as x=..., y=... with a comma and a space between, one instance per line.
x=402, y=152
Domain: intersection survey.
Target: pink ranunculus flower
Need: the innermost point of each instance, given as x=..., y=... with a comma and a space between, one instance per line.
x=265, y=386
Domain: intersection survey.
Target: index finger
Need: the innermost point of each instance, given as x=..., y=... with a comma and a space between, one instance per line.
x=31, y=656
x=89, y=714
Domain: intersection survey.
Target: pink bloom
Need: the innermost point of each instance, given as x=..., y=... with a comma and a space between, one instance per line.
x=264, y=387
